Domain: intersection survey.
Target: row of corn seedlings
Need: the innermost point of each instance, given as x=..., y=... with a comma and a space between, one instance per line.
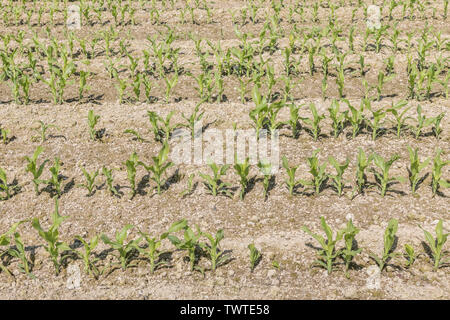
x=122, y=12
x=157, y=171
x=126, y=251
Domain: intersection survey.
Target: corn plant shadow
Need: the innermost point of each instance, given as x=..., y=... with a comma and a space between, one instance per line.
x=175, y=178
x=144, y=183
x=421, y=180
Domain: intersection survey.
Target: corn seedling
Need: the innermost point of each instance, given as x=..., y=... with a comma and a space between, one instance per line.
x=109, y=181
x=190, y=243
x=55, y=179
x=217, y=256
x=338, y=182
x=92, y=122
x=255, y=256
x=152, y=252
x=163, y=131
x=314, y=122
x=90, y=181
x=382, y=177
x=376, y=122
x=266, y=169
x=422, y=122
x=5, y=240
x=136, y=135
x=194, y=119
x=328, y=253
x=242, y=169
x=355, y=117
x=317, y=171
x=4, y=135
x=43, y=129
x=415, y=167
x=409, y=255
x=436, y=174
x=53, y=246
x=290, y=182
x=88, y=261
x=389, y=240
x=294, y=120
x=437, y=130
x=126, y=250
x=214, y=183
x=4, y=185
x=437, y=244
x=131, y=165
x=35, y=169
x=159, y=167
x=337, y=117
x=349, y=252
x=400, y=118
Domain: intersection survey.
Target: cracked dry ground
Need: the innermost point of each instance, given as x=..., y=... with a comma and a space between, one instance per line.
x=273, y=225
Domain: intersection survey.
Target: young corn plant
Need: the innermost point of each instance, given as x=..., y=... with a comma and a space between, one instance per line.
x=317, y=171
x=4, y=135
x=18, y=251
x=162, y=129
x=314, y=122
x=35, y=169
x=437, y=130
x=90, y=181
x=131, y=165
x=410, y=255
x=337, y=117
x=190, y=186
x=53, y=246
x=415, y=168
x=290, y=182
x=137, y=135
x=108, y=173
x=255, y=256
x=89, y=262
x=217, y=256
x=382, y=176
x=362, y=163
x=152, y=250
x=6, y=240
x=126, y=250
x=436, y=175
x=328, y=253
x=355, y=117
x=195, y=118
x=214, y=183
x=389, y=241
x=294, y=120
x=422, y=122
x=92, y=122
x=159, y=167
x=266, y=169
x=437, y=244
x=43, y=129
x=349, y=252
x=4, y=185
x=400, y=118
x=338, y=181
x=260, y=113
x=242, y=169
x=376, y=122
x=191, y=243
x=55, y=179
